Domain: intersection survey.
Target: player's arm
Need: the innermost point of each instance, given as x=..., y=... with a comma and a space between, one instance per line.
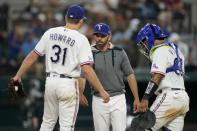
x=156, y=78
x=153, y=84
x=128, y=71
x=134, y=88
x=158, y=70
x=83, y=100
x=26, y=64
x=91, y=76
x=82, y=82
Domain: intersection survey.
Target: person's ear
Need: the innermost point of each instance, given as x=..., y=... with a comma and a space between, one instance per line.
x=110, y=37
x=65, y=19
x=81, y=21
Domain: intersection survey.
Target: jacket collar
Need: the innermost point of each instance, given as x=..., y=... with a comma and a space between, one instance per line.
x=94, y=49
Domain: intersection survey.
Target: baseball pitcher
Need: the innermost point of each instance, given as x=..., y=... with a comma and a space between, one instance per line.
x=67, y=52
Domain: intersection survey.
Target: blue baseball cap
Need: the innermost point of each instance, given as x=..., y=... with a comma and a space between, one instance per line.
x=102, y=28
x=76, y=12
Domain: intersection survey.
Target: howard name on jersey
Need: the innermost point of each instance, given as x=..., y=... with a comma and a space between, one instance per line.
x=62, y=38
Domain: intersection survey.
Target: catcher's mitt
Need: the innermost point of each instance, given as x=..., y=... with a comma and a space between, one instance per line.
x=15, y=89
x=144, y=120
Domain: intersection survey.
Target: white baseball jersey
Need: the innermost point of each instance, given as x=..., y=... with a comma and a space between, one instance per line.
x=65, y=51
x=162, y=58
x=170, y=106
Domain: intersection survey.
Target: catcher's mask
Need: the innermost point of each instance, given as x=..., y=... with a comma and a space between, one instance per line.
x=146, y=37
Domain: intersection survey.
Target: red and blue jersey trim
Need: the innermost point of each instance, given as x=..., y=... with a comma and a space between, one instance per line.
x=86, y=63
x=37, y=52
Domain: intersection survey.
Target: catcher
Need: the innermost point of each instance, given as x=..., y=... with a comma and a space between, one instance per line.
x=167, y=71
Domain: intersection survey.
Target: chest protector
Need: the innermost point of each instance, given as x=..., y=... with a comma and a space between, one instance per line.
x=177, y=67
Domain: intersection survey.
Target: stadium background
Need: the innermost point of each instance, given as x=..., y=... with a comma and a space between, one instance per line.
x=22, y=22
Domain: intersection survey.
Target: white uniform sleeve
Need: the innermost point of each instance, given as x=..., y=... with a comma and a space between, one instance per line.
x=41, y=45
x=85, y=52
x=160, y=60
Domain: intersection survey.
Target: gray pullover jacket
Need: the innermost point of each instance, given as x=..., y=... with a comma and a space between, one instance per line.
x=111, y=66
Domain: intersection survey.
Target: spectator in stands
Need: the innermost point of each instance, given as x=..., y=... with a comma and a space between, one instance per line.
x=39, y=25
x=165, y=21
x=15, y=38
x=29, y=43
x=177, y=9
x=127, y=7
x=33, y=8
x=121, y=36
x=149, y=9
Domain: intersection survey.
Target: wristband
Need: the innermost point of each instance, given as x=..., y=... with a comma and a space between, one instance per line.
x=151, y=88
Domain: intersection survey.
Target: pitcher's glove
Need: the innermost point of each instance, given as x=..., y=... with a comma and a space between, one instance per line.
x=15, y=89
x=144, y=120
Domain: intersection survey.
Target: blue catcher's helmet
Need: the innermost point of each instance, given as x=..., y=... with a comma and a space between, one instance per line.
x=146, y=37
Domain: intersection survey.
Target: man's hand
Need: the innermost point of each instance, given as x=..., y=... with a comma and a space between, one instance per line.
x=15, y=89
x=136, y=105
x=143, y=105
x=83, y=100
x=105, y=96
x=17, y=78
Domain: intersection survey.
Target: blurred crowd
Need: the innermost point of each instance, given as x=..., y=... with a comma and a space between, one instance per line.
x=21, y=30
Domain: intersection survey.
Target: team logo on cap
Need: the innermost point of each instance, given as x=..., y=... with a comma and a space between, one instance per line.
x=71, y=16
x=99, y=26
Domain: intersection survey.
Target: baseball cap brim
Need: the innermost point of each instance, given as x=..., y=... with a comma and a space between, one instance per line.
x=85, y=18
x=105, y=34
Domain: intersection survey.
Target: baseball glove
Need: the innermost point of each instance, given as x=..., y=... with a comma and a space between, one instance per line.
x=15, y=89
x=144, y=120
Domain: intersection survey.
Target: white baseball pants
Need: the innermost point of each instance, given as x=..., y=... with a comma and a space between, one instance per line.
x=111, y=113
x=170, y=108
x=61, y=99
